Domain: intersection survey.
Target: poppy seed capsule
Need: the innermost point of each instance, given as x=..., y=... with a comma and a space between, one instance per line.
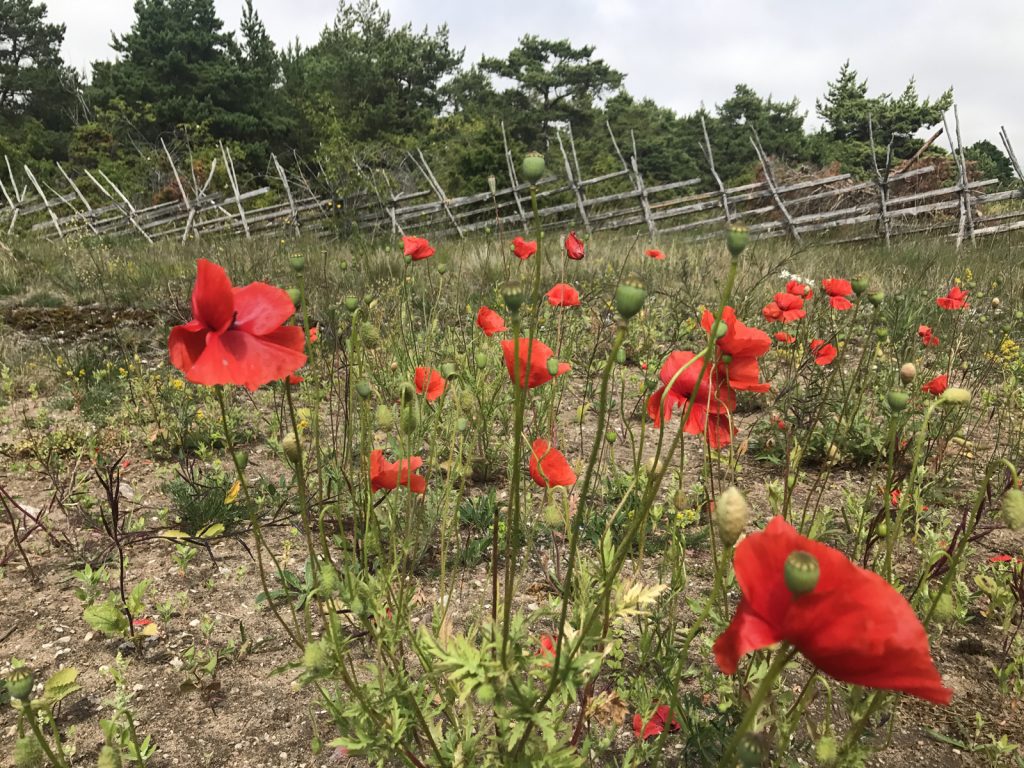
x=513, y=294
x=955, y=396
x=442, y=268
x=351, y=303
x=291, y=448
x=620, y=356
x=736, y=240
x=297, y=263
x=533, y=167
x=731, y=515
x=945, y=608
x=630, y=296
x=19, y=684
x=610, y=436
x=876, y=298
x=897, y=400
x=295, y=294
x=907, y=372
x=751, y=751
x=859, y=285
x=363, y=388
x=1012, y=509
x=552, y=365
x=241, y=458
x=801, y=572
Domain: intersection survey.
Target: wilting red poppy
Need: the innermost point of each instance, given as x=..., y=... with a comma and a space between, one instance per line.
x=894, y=497
x=430, y=381
x=937, y=385
x=852, y=625
x=237, y=335
x=656, y=725
x=955, y=299
x=785, y=308
x=417, y=248
x=796, y=288
x=785, y=338
x=548, y=466
x=533, y=362
x=490, y=322
x=838, y=290
x=655, y=254
x=385, y=475
x=823, y=353
x=574, y=248
x=711, y=406
x=928, y=338
x=563, y=295
x=737, y=352
x=524, y=249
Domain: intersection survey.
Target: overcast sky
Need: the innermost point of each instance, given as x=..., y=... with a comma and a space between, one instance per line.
x=686, y=52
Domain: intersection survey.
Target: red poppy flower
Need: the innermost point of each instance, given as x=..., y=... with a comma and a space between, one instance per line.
x=785, y=338
x=294, y=379
x=430, y=381
x=823, y=353
x=547, y=645
x=574, y=248
x=796, y=288
x=524, y=249
x=385, y=475
x=785, y=308
x=237, y=335
x=1004, y=559
x=711, y=406
x=655, y=254
x=563, y=295
x=928, y=338
x=894, y=497
x=737, y=352
x=838, y=290
x=937, y=385
x=533, y=362
x=548, y=466
x=490, y=322
x=417, y=248
x=314, y=335
x=656, y=725
x=852, y=625
x=955, y=299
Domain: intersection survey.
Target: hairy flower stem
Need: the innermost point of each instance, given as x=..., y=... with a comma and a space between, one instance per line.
x=57, y=760
x=778, y=664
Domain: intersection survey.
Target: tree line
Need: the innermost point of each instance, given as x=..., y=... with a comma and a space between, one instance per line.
x=372, y=89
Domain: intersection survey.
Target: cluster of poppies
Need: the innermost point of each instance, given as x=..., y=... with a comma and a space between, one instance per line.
x=788, y=307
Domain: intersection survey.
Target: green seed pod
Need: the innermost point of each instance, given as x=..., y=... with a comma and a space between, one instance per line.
x=719, y=329
x=751, y=751
x=467, y=400
x=363, y=388
x=242, y=459
x=342, y=265
x=109, y=758
x=297, y=263
x=860, y=284
x=731, y=515
x=19, y=684
x=630, y=296
x=882, y=333
x=351, y=303
x=801, y=572
x=533, y=167
x=897, y=400
x=620, y=356
x=384, y=417
x=955, y=396
x=1012, y=509
x=513, y=294
x=442, y=268
x=552, y=365
x=291, y=448
x=295, y=294
x=369, y=334
x=480, y=358
x=736, y=240
x=945, y=608
x=610, y=436
x=882, y=529
x=876, y=298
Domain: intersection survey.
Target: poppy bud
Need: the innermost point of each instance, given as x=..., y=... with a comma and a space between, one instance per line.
x=351, y=303
x=19, y=684
x=654, y=467
x=448, y=370
x=108, y=758
x=552, y=365
x=316, y=656
x=409, y=419
x=610, y=436
x=485, y=693
x=945, y=608
x=630, y=296
x=719, y=329
x=295, y=294
x=955, y=396
x=907, y=372
x=553, y=516
x=1012, y=509
x=297, y=263
x=897, y=400
x=492, y=184
x=461, y=424
x=876, y=298
x=363, y=388
x=513, y=294
x=442, y=268
x=384, y=417
x=481, y=360
x=291, y=448
x=826, y=750
x=407, y=392
x=329, y=581
x=736, y=240
x=533, y=167
x=751, y=750
x=731, y=515
x=859, y=284
x=369, y=334
x=801, y=572
x=467, y=401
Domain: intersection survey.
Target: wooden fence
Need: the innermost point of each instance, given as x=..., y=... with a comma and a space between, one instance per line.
x=895, y=202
